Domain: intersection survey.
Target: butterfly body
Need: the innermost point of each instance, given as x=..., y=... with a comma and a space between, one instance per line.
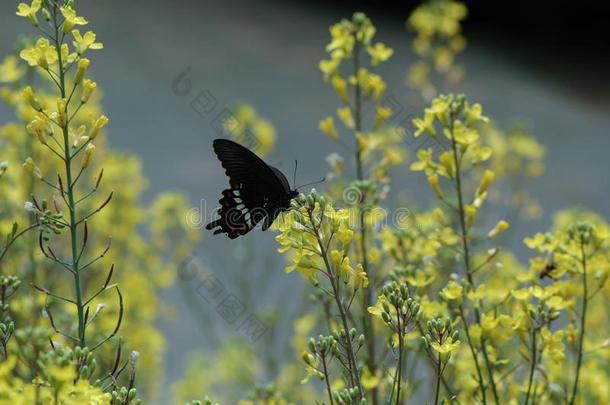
x=257, y=191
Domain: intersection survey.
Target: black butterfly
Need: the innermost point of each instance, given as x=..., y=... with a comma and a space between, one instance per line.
x=257, y=191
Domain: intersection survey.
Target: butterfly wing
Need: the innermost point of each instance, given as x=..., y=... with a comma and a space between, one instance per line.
x=255, y=190
x=278, y=205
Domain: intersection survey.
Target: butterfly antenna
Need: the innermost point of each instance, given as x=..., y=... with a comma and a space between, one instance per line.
x=294, y=178
x=311, y=184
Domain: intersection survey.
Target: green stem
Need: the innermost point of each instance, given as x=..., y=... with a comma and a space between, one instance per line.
x=583, y=316
x=334, y=282
x=70, y=193
x=438, y=380
x=533, y=366
x=465, y=245
x=13, y=239
x=330, y=393
x=474, y=356
x=369, y=330
x=400, y=354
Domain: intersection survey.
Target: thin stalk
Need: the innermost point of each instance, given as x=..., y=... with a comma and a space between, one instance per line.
x=465, y=245
x=334, y=281
x=583, y=316
x=14, y=238
x=400, y=354
x=474, y=356
x=446, y=385
x=330, y=394
x=438, y=380
x=70, y=193
x=369, y=330
x=533, y=366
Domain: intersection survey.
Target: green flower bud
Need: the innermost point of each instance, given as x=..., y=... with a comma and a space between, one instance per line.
x=311, y=343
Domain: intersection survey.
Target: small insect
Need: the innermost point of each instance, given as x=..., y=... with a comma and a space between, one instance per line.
x=257, y=191
x=547, y=271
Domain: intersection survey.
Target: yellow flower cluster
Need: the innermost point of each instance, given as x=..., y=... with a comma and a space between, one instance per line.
x=140, y=248
x=438, y=39
x=247, y=127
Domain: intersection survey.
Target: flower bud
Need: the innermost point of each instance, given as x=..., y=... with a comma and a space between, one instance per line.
x=88, y=89
x=311, y=343
x=500, y=227
x=89, y=151
x=471, y=213
x=488, y=178
x=83, y=65
x=434, y=184
x=31, y=167
x=28, y=96
x=99, y=124
x=61, y=111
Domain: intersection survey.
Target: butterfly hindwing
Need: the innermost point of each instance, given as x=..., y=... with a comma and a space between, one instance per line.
x=257, y=191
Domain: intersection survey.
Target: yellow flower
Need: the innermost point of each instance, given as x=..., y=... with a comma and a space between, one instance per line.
x=372, y=84
x=23, y=10
x=40, y=128
x=345, y=269
x=394, y=155
x=474, y=114
x=28, y=95
x=522, y=294
x=62, y=374
x=379, y=53
x=558, y=303
x=71, y=19
x=361, y=279
x=432, y=309
x=383, y=113
x=340, y=86
x=265, y=135
x=425, y=161
x=10, y=71
x=426, y=124
x=420, y=280
x=41, y=54
x=477, y=295
x=453, y=292
x=377, y=309
x=500, y=227
x=370, y=380
x=434, y=184
x=475, y=334
x=31, y=167
x=536, y=242
x=447, y=160
x=553, y=344
x=447, y=347
x=327, y=125
x=345, y=235
x=336, y=257
x=345, y=115
x=329, y=67
x=83, y=43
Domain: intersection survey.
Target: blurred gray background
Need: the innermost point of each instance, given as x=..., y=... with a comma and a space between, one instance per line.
x=266, y=53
